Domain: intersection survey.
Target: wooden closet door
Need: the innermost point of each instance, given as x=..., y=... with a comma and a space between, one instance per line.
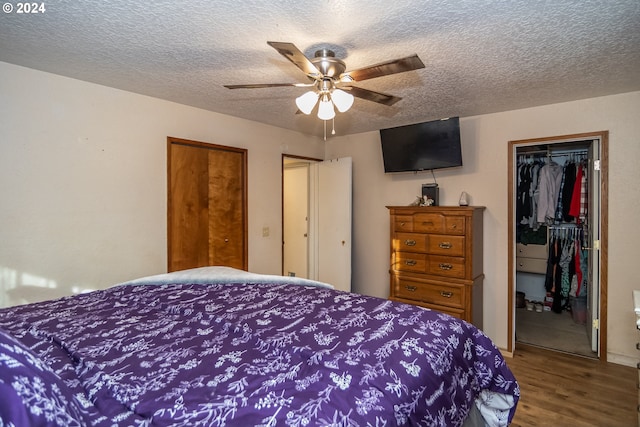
x=207, y=215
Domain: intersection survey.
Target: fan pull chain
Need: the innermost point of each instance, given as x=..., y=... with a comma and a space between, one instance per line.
x=325, y=129
x=333, y=126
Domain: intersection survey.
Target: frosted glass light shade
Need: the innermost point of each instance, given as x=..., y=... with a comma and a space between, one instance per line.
x=342, y=100
x=325, y=109
x=307, y=101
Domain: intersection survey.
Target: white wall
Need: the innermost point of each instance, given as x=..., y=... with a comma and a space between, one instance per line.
x=83, y=182
x=83, y=189
x=485, y=176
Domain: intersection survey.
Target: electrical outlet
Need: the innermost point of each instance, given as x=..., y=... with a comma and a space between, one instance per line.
x=265, y=231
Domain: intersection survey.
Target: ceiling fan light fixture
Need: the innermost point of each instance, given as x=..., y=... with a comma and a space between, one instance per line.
x=307, y=101
x=325, y=109
x=342, y=100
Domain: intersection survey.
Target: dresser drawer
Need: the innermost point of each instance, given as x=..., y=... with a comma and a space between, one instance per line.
x=428, y=222
x=445, y=245
x=410, y=242
x=446, y=266
x=407, y=261
x=451, y=296
x=532, y=251
x=455, y=312
x=531, y=265
x=431, y=222
x=403, y=223
x=455, y=225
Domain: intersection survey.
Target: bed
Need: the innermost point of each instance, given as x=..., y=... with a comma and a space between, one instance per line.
x=216, y=346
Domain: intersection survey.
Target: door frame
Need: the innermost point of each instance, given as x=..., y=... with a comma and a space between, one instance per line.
x=243, y=152
x=309, y=160
x=603, y=137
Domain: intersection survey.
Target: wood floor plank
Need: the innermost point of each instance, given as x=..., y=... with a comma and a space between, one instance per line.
x=557, y=389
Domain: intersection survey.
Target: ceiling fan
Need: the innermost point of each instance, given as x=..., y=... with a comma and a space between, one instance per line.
x=331, y=84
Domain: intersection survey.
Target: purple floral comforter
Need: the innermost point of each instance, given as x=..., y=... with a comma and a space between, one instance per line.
x=242, y=354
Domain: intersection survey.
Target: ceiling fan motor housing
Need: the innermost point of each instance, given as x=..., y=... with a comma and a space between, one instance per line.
x=326, y=62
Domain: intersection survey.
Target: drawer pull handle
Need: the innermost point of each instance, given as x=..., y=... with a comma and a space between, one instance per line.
x=454, y=226
x=429, y=223
x=445, y=245
x=410, y=242
x=446, y=294
x=402, y=224
x=411, y=262
x=411, y=288
x=444, y=266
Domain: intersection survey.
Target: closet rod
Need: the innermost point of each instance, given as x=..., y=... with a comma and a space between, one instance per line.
x=565, y=226
x=566, y=153
x=555, y=153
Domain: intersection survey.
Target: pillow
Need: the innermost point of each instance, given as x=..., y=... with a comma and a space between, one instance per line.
x=218, y=274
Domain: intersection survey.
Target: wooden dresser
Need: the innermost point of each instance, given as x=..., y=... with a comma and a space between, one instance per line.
x=436, y=259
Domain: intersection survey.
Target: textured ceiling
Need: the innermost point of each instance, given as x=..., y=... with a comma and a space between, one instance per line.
x=481, y=56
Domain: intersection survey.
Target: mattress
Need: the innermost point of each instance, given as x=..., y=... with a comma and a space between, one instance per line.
x=220, y=347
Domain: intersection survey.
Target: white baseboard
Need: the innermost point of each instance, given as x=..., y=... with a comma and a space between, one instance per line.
x=620, y=359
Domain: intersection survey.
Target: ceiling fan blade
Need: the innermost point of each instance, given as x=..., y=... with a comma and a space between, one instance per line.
x=293, y=54
x=262, y=85
x=370, y=95
x=384, y=68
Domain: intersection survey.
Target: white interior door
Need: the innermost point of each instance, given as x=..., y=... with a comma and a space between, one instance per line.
x=593, y=293
x=331, y=225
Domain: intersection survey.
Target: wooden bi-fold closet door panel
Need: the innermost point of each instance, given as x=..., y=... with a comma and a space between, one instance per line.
x=207, y=205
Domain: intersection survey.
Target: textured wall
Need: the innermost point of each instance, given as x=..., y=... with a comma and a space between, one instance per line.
x=484, y=176
x=83, y=183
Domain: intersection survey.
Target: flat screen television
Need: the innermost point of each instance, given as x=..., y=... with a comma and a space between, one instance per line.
x=422, y=146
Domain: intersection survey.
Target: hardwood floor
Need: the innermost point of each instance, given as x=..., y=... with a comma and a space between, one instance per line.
x=558, y=389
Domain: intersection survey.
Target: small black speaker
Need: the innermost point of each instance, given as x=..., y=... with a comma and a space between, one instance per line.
x=431, y=191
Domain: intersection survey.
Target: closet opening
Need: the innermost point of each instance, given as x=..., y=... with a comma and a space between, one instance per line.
x=557, y=243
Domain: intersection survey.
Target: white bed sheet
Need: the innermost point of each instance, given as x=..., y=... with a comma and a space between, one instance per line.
x=220, y=274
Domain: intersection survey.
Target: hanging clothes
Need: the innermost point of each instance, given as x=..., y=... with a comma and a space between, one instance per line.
x=552, y=277
x=527, y=188
x=566, y=193
x=584, y=198
x=549, y=188
x=580, y=198
x=566, y=267
x=565, y=261
x=523, y=205
x=583, y=284
x=576, y=281
x=574, y=206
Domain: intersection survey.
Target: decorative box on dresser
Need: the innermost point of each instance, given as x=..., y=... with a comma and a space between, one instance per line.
x=436, y=259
